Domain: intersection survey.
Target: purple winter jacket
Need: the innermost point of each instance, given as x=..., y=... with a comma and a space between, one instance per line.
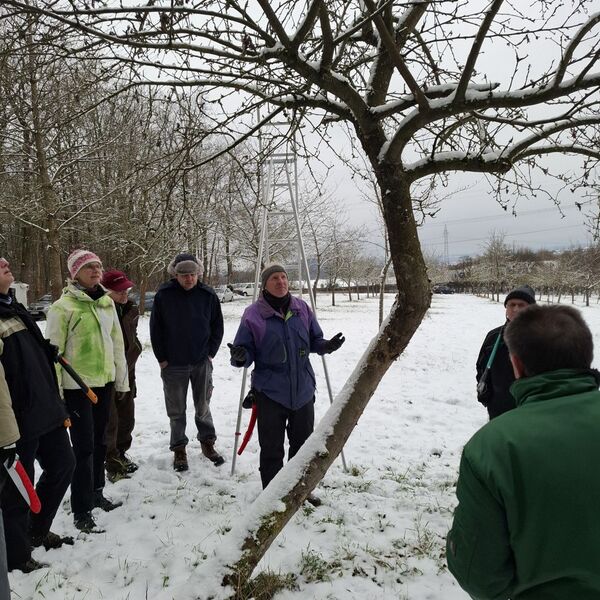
x=279, y=349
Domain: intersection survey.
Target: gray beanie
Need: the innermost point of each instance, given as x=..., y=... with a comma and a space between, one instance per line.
x=524, y=293
x=184, y=264
x=269, y=270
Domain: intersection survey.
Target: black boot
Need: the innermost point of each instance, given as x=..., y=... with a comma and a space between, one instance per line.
x=30, y=565
x=51, y=540
x=104, y=503
x=85, y=522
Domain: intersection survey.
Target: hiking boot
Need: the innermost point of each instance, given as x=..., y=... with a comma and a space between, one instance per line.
x=115, y=466
x=30, y=565
x=180, y=462
x=85, y=522
x=51, y=540
x=104, y=503
x=314, y=500
x=114, y=477
x=208, y=449
x=129, y=465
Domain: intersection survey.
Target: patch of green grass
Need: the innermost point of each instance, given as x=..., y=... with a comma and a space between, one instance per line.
x=315, y=568
x=265, y=585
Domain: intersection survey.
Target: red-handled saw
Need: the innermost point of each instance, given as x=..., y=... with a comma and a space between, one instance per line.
x=20, y=478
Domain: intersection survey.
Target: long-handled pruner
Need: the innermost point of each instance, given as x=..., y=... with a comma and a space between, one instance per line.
x=87, y=390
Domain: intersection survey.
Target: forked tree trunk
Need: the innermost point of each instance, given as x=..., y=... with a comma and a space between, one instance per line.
x=265, y=519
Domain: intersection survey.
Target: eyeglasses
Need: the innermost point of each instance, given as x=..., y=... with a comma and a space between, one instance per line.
x=93, y=265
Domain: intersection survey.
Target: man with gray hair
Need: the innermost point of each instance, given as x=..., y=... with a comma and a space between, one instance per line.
x=527, y=524
x=186, y=329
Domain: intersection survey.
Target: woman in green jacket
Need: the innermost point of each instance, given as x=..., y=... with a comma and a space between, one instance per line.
x=84, y=325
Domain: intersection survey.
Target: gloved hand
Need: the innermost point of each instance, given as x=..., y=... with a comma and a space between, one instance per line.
x=52, y=352
x=334, y=343
x=8, y=455
x=238, y=353
x=249, y=400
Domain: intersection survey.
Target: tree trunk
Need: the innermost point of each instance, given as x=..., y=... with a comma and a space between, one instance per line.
x=50, y=200
x=384, y=273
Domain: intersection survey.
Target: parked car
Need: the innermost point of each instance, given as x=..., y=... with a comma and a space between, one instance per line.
x=442, y=289
x=39, y=308
x=148, y=299
x=243, y=289
x=224, y=294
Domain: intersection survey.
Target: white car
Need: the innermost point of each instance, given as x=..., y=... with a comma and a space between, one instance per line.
x=244, y=289
x=224, y=294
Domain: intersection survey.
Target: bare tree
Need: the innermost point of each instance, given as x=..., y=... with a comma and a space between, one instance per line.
x=408, y=80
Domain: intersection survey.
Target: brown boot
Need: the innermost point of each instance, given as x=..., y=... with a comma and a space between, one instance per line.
x=180, y=462
x=208, y=449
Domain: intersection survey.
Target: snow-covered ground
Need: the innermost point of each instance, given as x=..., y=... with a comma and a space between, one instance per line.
x=380, y=531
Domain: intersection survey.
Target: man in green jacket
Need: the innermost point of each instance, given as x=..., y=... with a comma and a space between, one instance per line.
x=528, y=520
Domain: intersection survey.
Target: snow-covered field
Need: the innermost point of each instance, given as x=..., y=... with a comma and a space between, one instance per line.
x=380, y=531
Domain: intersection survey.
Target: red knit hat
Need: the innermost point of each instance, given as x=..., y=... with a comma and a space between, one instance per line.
x=79, y=258
x=116, y=281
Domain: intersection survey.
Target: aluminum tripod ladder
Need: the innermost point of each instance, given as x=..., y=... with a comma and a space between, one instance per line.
x=279, y=167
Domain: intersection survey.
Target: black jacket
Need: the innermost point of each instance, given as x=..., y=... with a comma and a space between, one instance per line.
x=497, y=397
x=27, y=360
x=185, y=326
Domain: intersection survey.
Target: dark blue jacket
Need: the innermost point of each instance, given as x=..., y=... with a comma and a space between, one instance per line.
x=185, y=326
x=279, y=348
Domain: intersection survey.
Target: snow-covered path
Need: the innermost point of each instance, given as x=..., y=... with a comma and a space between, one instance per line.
x=379, y=533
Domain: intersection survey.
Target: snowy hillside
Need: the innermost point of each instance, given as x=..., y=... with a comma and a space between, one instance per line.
x=380, y=531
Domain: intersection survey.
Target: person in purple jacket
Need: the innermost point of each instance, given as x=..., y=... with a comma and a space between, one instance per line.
x=277, y=333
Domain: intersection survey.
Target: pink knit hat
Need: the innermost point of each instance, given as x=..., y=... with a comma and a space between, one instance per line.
x=79, y=258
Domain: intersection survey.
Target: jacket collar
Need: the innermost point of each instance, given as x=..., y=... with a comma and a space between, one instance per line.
x=76, y=291
x=266, y=310
x=554, y=384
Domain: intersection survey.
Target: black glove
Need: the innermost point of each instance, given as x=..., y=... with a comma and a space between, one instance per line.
x=8, y=455
x=334, y=343
x=52, y=352
x=250, y=399
x=238, y=353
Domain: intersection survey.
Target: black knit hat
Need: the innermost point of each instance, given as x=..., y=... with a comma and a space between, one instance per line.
x=183, y=264
x=524, y=293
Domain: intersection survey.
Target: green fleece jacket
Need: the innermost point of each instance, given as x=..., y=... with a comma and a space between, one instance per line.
x=527, y=526
x=88, y=334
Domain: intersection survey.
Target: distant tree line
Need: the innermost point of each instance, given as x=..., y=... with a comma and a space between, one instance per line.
x=555, y=275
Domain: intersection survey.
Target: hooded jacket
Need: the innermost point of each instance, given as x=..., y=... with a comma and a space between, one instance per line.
x=88, y=334
x=186, y=326
x=29, y=373
x=9, y=431
x=279, y=347
x=527, y=524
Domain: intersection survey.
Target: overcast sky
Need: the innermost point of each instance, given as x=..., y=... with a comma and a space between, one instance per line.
x=471, y=215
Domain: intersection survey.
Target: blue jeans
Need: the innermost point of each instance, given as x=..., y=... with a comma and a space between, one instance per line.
x=176, y=380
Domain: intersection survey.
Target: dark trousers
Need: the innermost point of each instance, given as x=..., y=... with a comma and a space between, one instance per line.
x=273, y=421
x=176, y=380
x=88, y=436
x=54, y=453
x=121, y=422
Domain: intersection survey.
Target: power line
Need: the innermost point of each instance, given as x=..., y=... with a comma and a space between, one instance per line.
x=562, y=228
x=503, y=216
